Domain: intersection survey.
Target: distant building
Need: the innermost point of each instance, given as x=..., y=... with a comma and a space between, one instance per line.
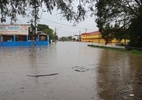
x=92, y=37
x=77, y=37
x=96, y=37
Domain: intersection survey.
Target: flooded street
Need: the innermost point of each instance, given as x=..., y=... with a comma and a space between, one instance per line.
x=69, y=71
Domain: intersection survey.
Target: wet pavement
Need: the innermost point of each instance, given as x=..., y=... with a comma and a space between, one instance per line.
x=69, y=71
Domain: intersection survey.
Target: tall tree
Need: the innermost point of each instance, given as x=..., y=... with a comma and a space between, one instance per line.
x=42, y=27
x=45, y=28
x=126, y=13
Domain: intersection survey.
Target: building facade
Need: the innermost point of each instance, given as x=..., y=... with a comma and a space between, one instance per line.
x=17, y=29
x=92, y=37
x=21, y=35
x=96, y=37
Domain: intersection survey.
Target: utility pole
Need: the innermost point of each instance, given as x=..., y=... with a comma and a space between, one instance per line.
x=32, y=27
x=54, y=36
x=55, y=29
x=35, y=18
x=36, y=5
x=85, y=30
x=79, y=36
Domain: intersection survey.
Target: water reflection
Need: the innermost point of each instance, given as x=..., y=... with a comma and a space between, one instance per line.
x=116, y=76
x=17, y=63
x=106, y=75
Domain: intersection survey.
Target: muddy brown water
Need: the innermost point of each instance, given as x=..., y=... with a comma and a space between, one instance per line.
x=69, y=71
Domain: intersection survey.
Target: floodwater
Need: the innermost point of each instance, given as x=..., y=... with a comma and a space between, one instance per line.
x=69, y=71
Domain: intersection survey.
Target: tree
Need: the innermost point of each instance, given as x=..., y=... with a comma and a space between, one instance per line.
x=49, y=32
x=125, y=13
x=42, y=27
x=12, y=8
x=63, y=38
x=135, y=31
x=66, y=7
x=45, y=28
x=114, y=32
x=69, y=38
x=119, y=33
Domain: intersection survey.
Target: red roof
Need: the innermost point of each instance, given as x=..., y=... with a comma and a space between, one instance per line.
x=91, y=33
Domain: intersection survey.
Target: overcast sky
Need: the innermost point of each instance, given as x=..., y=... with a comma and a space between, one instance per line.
x=62, y=26
x=66, y=28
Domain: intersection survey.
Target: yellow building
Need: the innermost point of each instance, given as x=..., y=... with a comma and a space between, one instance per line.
x=96, y=37
x=92, y=37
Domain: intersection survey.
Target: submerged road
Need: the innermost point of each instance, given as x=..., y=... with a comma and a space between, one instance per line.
x=69, y=71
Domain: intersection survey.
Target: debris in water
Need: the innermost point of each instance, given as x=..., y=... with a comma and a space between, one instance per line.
x=22, y=88
x=42, y=75
x=80, y=69
x=131, y=95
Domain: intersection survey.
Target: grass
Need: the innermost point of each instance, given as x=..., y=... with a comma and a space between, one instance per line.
x=117, y=49
x=136, y=52
x=111, y=48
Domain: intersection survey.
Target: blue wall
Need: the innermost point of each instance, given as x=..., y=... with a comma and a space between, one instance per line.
x=0, y=41
x=25, y=43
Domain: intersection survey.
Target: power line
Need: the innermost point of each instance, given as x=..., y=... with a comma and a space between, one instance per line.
x=66, y=24
x=67, y=31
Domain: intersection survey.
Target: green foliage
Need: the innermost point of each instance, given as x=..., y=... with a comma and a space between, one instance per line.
x=45, y=28
x=12, y=8
x=114, y=32
x=63, y=38
x=66, y=7
x=49, y=32
x=135, y=31
x=124, y=15
x=106, y=47
x=136, y=52
x=69, y=38
x=106, y=31
x=42, y=27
